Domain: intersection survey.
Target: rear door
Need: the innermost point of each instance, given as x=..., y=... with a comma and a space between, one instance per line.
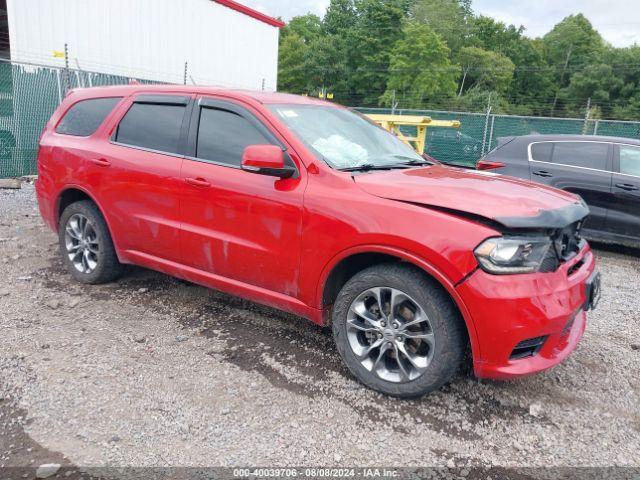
x=580, y=167
x=138, y=173
x=624, y=213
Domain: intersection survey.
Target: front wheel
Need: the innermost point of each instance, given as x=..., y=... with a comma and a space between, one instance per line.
x=398, y=331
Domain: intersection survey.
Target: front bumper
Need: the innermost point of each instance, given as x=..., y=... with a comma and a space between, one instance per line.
x=509, y=309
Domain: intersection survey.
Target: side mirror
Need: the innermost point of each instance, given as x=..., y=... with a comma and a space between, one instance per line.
x=266, y=160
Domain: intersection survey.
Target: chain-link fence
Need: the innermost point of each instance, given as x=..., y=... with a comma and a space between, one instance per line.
x=479, y=132
x=28, y=96
x=30, y=93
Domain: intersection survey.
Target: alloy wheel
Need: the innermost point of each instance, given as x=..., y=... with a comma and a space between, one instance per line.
x=81, y=242
x=390, y=334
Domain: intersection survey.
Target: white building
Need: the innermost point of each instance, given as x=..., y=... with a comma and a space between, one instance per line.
x=222, y=41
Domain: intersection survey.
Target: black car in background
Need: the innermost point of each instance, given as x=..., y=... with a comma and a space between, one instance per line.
x=604, y=171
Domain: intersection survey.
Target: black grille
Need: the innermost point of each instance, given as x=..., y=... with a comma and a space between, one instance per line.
x=566, y=243
x=528, y=348
x=550, y=263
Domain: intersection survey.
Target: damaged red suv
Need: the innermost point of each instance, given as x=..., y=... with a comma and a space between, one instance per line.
x=310, y=208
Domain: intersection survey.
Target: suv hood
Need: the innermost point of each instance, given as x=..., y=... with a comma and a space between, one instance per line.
x=511, y=202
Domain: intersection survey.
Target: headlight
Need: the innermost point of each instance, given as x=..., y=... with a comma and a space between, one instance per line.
x=505, y=255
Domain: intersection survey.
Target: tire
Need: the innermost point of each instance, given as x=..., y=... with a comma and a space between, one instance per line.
x=102, y=255
x=437, y=345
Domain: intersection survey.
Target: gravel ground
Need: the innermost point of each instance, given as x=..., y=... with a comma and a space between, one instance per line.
x=152, y=371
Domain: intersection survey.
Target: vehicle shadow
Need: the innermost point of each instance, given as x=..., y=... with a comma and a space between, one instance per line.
x=296, y=355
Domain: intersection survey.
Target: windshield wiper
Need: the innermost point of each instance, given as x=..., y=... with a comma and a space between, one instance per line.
x=365, y=167
x=415, y=161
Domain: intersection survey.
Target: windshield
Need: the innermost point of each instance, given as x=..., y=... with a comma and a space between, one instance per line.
x=344, y=139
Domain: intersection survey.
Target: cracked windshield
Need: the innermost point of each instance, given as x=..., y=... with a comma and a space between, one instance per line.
x=344, y=139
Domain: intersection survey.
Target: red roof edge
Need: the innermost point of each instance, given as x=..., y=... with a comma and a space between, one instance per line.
x=274, y=22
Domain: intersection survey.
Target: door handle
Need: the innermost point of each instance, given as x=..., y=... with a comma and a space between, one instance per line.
x=102, y=162
x=197, y=182
x=543, y=173
x=627, y=186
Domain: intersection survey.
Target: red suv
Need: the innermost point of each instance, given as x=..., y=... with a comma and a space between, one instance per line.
x=311, y=208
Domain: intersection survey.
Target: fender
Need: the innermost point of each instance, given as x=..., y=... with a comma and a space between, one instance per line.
x=418, y=262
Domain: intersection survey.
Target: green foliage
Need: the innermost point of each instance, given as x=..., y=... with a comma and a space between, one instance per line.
x=410, y=83
x=378, y=27
x=292, y=76
x=439, y=54
x=448, y=18
x=484, y=69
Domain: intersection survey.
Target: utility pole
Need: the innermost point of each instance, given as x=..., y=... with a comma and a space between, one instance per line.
x=184, y=80
x=486, y=126
x=263, y=81
x=587, y=114
x=67, y=79
x=564, y=70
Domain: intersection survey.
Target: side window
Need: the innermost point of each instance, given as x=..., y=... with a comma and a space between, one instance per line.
x=630, y=160
x=581, y=154
x=223, y=136
x=153, y=126
x=84, y=118
x=541, y=151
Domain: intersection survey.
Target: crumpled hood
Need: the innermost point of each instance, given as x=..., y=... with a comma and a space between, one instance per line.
x=511, y=202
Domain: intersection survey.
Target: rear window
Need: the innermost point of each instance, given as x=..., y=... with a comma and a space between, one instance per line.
x=84, y=118
x=152, y=126
x=581, y=154
x=541, y=151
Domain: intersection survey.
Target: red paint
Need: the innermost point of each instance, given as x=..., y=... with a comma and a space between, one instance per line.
x=274, y=22
x=276, y=241
x=263, y=156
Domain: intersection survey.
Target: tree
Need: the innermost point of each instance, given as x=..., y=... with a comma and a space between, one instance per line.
x=292, y=75
x=448, y=18
x=378, y=27
x=573, y=42
x=307, y=27
x=339, y=17
x=420, y=70
x=596, y=83
x=484, y=69
x=569, y=46
x=326, y=66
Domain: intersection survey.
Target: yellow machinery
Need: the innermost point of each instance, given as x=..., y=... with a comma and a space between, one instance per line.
x=392, y=123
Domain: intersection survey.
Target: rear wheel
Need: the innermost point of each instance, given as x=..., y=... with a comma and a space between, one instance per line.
x=86, y=246
x=398, y=331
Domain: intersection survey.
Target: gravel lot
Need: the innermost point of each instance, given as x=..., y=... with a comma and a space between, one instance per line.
x=152, y=371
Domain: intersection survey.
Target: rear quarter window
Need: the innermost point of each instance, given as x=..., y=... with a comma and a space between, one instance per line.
x=541, y=152
x=84, y=117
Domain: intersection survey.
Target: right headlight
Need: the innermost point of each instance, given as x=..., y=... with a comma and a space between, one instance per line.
x=508, y=255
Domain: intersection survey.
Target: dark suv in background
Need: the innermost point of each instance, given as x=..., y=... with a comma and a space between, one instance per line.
x=604, y=171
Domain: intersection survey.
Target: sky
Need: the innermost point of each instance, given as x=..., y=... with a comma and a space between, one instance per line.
x=618, y=21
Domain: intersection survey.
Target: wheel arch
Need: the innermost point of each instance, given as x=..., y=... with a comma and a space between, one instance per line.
x=349, y=262
x=75, y=193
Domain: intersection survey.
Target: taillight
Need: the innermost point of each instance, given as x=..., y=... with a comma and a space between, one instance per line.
x=489, y=165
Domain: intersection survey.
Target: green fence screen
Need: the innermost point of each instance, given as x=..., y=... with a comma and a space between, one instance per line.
x=479, y=132
x=30, y=93
x=28, y=96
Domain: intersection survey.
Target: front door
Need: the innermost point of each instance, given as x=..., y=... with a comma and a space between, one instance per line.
x=579, y=167
x=624, y=213
x=236, y=224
